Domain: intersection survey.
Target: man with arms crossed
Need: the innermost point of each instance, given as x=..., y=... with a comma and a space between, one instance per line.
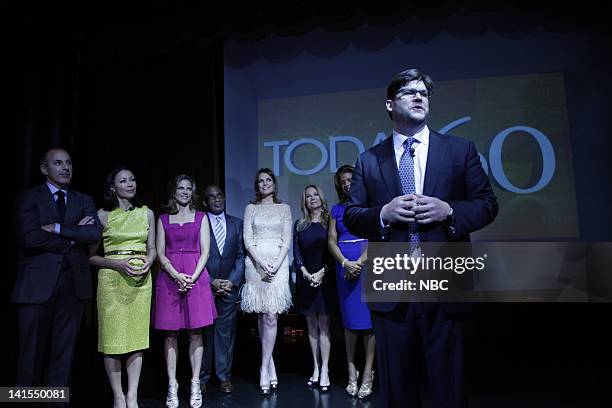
x=54, y=224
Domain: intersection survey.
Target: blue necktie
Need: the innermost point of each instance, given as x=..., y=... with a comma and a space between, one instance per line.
x=406, y=173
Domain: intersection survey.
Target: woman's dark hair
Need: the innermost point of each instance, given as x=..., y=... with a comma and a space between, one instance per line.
x=342, y=196
x=269, y=172
x=110, y=198
x=171, y=206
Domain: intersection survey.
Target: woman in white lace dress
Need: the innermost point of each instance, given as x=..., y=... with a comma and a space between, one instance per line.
x=267, y=239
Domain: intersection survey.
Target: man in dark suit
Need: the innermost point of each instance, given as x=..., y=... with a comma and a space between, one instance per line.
x=55, y=224
x=419, y=186
x=226, y=269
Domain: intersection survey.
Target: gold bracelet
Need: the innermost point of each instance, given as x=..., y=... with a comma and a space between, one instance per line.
x=343, y=262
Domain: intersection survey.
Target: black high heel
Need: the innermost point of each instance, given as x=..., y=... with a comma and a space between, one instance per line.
x=325, y=388
x=312, y=382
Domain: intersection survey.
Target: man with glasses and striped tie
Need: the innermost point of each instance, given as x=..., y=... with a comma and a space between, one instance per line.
x=419, y=186
x=226, y=269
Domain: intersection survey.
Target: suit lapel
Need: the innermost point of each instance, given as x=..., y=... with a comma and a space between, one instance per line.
x=47, y=198
x=72, y=208
x=436, y=155
x=388, y=166
x=229, y=231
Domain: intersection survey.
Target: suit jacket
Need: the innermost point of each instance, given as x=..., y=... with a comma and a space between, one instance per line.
x=42, y=253
x=230, y=265
x=453, y=174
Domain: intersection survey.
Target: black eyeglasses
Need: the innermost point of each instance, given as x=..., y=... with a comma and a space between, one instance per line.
x=425, y=93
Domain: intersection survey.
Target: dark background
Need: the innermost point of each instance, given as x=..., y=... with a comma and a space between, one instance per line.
x=142, y=84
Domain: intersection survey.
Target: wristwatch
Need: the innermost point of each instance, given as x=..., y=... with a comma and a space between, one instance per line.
x=449, y=223
x=451, y=214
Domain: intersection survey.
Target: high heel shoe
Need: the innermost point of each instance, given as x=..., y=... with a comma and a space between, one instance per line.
x=351, y=388
x=312, y=381
x=324, y=387
x=172, y=400
x=195, y=401
x=272, y=375
x=264, y=389
x=366, y=386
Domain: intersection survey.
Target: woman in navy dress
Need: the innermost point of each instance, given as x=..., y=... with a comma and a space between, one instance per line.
x=315, y=287
x=347, y=251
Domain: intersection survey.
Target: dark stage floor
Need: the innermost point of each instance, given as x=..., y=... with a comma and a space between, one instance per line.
x=532, y=373
x=548, y=366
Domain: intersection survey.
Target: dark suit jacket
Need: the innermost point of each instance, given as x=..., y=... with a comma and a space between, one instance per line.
x=453, y=174
x=230, y=265
x=42, y=253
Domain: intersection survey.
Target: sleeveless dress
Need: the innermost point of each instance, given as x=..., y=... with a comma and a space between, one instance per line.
x=268, y=228
x=355, y=313
x=195, y=308
x=124, y=302
x=310, y=251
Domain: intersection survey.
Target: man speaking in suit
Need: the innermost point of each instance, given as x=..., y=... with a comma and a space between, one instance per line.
x=55, y=224
x=419, y=186
x=226, y=269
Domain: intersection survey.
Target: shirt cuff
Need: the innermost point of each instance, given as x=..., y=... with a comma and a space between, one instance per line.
x=57, y=228
x=382, y=223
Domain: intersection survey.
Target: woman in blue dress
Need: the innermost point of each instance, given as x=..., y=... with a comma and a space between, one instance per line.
x=346, y=249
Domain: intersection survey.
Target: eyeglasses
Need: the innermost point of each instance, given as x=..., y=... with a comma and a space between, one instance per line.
x=424, y=93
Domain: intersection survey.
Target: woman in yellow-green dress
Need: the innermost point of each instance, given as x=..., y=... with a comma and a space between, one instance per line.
x=124, y=282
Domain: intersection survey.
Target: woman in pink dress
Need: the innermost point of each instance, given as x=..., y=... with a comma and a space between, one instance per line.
x=183, y=297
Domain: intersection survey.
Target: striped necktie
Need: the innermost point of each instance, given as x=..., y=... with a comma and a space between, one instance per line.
x=219, y=234
x=406, y=173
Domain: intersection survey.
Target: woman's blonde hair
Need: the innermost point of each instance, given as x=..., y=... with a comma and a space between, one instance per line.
x=306, y=220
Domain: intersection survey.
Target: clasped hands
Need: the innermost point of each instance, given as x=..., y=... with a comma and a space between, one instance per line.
x=268, y=270
x=222, y=286
x=352, y=269
x=417, y=208
x=316, y=278
x=184, y=282
x=135, y=265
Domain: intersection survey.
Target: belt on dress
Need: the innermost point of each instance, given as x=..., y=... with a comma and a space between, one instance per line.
x=350, y=241
x=125, y=252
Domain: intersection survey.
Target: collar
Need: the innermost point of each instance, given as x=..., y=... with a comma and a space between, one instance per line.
x=214, y=217
x=54, y=189
x=422, y=137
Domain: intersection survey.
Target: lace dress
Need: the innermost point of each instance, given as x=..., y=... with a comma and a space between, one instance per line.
x=267, y=229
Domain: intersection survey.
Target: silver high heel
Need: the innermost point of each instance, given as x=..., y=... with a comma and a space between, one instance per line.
x=265, y=388
x=351, y=388
x=195, y=401
x=366, y=386
x=172, y=400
